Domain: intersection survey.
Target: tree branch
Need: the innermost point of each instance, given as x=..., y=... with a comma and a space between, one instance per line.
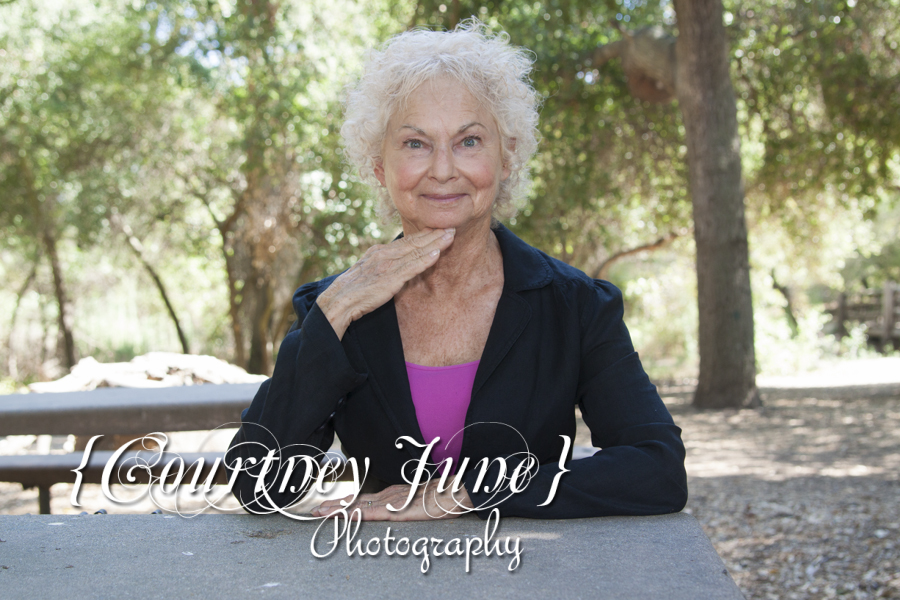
x=138, y=248
x=603, y=270
x=605, y=53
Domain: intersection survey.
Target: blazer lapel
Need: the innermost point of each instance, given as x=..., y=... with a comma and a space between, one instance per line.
x=377, y=337
x=510, y=319
x=524, y=268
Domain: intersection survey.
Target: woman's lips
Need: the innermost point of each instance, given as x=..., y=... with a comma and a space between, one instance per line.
x=443, y=197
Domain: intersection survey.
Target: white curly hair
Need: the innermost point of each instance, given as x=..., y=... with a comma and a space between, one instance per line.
x=494, y=72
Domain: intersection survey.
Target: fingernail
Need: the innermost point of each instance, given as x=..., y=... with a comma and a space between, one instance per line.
x=435, y=252
x=448, y=235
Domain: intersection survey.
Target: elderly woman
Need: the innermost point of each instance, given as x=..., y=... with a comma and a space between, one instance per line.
x=457, y=329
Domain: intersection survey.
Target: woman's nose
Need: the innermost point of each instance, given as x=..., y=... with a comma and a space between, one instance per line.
x=443, y=165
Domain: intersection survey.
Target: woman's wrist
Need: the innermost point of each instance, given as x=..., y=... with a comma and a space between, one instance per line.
x=337, y=317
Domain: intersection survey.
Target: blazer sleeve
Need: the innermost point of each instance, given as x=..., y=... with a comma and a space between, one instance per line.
x=291, y=413
x=640, y=467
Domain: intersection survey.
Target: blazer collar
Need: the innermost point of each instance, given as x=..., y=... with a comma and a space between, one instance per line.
x=524, y=267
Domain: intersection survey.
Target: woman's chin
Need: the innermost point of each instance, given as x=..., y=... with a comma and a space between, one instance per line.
x=445, y=221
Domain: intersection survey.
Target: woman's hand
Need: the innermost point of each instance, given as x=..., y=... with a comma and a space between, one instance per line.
x=379, y=275
x=427, y=503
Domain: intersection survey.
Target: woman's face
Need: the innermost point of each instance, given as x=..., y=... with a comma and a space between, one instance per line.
x=441, y=159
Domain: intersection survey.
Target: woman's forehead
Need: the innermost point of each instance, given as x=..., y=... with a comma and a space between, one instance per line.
x=443, y=103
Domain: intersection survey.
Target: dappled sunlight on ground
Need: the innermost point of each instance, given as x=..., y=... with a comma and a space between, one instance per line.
x=793, y=438
x=800, y=498
x=836, y=373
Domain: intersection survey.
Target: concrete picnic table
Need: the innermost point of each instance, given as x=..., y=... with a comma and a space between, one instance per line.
x=125, y=410
x=214, y=556
x=110, y=411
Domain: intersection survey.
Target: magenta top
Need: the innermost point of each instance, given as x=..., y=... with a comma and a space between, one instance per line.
x=441, y=396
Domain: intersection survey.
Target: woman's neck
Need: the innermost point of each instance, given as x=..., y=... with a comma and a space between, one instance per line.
x=472, y=260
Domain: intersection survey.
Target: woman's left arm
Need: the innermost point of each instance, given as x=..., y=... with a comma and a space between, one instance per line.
x=640, y=469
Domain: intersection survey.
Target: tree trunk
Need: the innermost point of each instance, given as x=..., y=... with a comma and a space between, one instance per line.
x=45, y=335
x=48, y=239
x=228, y=253
x=10, y=348
x=138, y=248
x=258, y=362
x=235, y=299
x=62, y=300
x=705, y=95
x=285, y=319
x=788, y=307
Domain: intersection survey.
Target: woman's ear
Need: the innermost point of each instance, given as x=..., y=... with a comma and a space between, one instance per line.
x=511, y=146
x=379, y=171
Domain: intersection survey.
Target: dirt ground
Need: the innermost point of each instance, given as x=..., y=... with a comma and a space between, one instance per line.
x=799, y=498
x=802, y=498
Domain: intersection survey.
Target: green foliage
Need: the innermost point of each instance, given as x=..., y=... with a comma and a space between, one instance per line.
x=877, y=262
x=262, y=152
x=661, y=310
x=874, y=270
x=210, y=129
x=818, y=98
x=75, y=100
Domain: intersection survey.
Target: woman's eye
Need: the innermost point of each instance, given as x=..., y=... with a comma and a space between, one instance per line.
x=414, y=144
x=470, y=142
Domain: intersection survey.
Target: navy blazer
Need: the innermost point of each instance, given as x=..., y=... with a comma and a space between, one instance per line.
x=557, y=341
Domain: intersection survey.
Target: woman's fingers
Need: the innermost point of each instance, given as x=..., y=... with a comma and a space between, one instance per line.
x=412, y=246
x=385, y=272
x=330, y=506
x=426, y=238
x=422, y=252
x=371, y=506
x=379, y=275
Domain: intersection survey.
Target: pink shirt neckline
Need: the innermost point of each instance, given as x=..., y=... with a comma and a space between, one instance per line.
x=425, y=368
x=441, y=397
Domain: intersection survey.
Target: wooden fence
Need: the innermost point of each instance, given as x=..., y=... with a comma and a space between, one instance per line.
x=879, y=310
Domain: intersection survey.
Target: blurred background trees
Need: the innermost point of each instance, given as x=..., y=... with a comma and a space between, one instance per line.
x=178, y=162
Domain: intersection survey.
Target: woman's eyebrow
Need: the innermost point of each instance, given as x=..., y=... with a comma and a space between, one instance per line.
x=472, y=124
x=414, y=128
x=460, y=130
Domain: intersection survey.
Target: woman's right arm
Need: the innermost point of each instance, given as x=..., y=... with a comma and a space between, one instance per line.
x=291, y=413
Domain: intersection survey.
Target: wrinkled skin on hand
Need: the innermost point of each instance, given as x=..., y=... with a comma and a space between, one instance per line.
x=380, y=274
